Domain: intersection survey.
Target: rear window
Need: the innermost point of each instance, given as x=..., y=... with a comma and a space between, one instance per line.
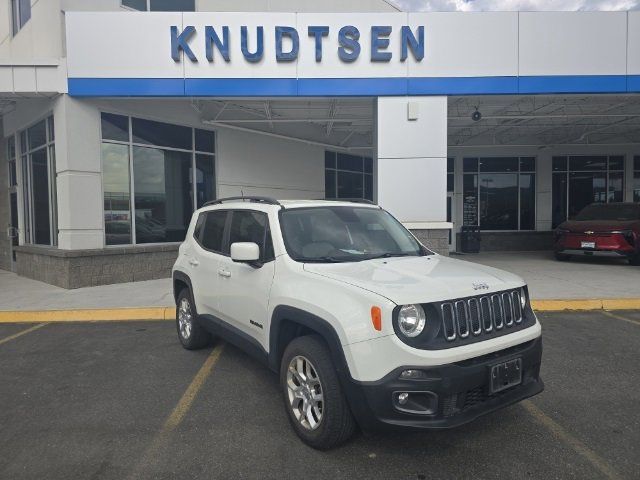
x=611, y=211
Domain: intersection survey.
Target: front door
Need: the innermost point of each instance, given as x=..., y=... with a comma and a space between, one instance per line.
x=244, y=289
x=451, y=219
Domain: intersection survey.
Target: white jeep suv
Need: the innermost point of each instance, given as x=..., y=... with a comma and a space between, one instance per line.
x=364, y=324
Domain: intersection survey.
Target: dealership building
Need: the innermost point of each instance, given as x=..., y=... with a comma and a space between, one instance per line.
x=120, y=117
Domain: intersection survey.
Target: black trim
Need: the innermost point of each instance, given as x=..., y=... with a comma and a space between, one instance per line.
x=182, y=277
x=462, y=390
x=235, y=336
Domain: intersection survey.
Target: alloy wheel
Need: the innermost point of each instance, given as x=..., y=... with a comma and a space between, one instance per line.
x=304, y=391
x=185, y=318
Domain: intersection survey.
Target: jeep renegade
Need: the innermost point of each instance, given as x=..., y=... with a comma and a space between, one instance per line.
x=364, y=324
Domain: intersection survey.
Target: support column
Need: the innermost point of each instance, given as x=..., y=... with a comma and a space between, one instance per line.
x=79, y=181
x=412, y=165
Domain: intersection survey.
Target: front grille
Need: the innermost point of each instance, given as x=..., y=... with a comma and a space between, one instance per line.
x=485, y=313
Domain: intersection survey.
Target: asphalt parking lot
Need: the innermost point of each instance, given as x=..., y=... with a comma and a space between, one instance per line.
x=124, y=400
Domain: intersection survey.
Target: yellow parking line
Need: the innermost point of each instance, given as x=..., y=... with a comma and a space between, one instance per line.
x=88, y=315
x=22, y=332
x=592, y=457
x=620, y=317
x=179, y=412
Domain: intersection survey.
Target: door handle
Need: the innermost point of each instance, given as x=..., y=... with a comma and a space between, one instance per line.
x=224, y=273
x=193, y=262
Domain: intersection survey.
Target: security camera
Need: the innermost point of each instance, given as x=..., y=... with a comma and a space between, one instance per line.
x=475, y=116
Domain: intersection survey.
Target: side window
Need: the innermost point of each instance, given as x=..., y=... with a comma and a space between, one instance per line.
x=197, y=230
x=250, y=226
x=213, y=233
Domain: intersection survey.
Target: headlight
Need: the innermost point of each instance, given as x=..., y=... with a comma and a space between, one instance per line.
x=411, y=320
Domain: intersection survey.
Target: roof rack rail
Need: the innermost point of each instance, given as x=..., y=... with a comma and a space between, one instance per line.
x=251, y=199
x=352, y=200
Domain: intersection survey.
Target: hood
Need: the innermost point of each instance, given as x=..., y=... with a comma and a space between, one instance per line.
x=425, y=279
x=598, y=225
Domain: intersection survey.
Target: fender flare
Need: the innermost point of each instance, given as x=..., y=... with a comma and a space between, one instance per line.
x=183, y=277
x=284, y=313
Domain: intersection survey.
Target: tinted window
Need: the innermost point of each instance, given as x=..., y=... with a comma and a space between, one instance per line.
x=560, y=164
x=470, y=165
x=172, y=5
x=499, y=164
x=197, y=230
x=160, y=134
x=37, y=135
x=213, y=234
x=205, y=141
x=115, y=127
x=249, y=226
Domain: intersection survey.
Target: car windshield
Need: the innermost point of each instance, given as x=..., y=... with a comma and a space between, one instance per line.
x=335, y=234
x=609, y=211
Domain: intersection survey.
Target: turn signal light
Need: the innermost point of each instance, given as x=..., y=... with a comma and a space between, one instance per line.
x=376, y=318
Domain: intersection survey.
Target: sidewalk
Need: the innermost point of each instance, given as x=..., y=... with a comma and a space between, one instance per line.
x=553, y=285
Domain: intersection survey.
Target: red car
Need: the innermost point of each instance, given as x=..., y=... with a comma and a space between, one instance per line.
x=611, y=229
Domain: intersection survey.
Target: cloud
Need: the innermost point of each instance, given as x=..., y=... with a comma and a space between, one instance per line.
x=523, y=5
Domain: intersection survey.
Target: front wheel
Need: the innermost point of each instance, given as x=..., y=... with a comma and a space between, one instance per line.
x=315, y=404
x=563, y=257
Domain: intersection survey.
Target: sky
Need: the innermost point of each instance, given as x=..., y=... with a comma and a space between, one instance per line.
x=523, y=5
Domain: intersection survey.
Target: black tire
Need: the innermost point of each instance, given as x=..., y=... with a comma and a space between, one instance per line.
x=562, y=257
x=634, y=259
x=336, y=425
x=197, y=337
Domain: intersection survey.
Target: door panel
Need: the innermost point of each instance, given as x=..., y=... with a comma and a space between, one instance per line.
x=244, y=289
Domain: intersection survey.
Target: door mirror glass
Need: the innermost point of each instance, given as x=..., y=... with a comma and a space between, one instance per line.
x=245, y=252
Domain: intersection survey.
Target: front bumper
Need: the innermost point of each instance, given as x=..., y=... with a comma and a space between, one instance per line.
x=462, y=391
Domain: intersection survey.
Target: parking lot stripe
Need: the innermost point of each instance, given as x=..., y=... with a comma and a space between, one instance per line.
x=179, y=412
x=22, y=332
x=592, y=457
x=620, y=317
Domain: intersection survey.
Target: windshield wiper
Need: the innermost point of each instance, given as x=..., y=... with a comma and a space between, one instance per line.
x=325, y=259
x=388, y=255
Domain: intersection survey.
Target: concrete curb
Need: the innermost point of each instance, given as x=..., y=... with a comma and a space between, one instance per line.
x=168, y=313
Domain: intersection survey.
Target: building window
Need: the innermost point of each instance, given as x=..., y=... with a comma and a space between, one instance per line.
x=636, y=179
x=450, y=175
x=20, y=14
x=160, y=5
x=581, y=180
x=11, y=161
x=347, y=176
x=37, y=155
x=499, y=193
x=149, y=172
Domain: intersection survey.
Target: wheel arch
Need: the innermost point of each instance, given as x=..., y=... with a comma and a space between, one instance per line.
x=180, y=281
x=289, y=322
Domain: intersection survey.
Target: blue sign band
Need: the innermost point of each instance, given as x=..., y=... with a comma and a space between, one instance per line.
x=370, y=87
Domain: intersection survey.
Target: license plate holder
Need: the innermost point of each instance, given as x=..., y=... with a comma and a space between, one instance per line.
x=591, y=245
x=505, y=375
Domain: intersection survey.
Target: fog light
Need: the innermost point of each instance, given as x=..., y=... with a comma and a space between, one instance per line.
x=402, y=398
x=420, y=403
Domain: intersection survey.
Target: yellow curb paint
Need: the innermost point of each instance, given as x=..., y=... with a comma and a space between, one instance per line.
x=22, y=332
x=168, y=313
x=567, y=438
x=88, y=315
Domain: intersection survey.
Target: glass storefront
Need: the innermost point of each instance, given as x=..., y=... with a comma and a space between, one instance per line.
x=348, y=176
x=150, y=168
x=581, y=180
x=499, y=193
x=636, y=179
x=37, y=155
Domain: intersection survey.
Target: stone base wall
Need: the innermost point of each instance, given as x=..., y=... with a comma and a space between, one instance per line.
x=87, y=268
x=512, y=241
x=436, y=240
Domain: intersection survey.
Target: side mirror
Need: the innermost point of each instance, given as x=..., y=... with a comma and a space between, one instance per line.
x=245, y=252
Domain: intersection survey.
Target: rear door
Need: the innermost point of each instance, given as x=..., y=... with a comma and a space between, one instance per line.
x=210, y=249
x=244, y=289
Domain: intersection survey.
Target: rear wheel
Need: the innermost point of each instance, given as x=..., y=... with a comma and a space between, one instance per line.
x=315, y=404
x=192, y=336
x=563, y=257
